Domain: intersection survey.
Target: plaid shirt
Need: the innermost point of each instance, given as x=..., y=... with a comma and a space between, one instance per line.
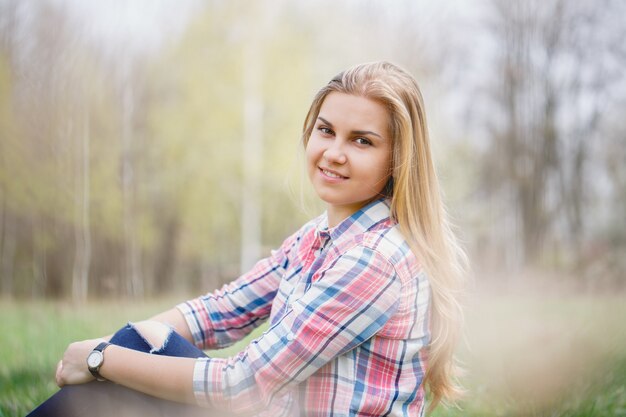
x=348, y=312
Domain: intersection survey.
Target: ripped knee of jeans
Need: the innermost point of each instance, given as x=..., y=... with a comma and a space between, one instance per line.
x=154, y=333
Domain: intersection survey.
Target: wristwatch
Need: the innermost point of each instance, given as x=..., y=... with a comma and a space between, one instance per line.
x=95, y=359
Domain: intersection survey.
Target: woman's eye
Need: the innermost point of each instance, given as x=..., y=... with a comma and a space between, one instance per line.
x=325, y=130
x=363, y=141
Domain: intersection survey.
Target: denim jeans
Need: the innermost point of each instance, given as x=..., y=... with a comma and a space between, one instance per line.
x=96, y=399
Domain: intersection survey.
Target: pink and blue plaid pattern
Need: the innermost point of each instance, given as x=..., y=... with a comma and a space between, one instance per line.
x=348, y=312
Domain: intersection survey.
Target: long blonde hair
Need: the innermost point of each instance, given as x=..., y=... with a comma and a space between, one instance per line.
x=416, y=205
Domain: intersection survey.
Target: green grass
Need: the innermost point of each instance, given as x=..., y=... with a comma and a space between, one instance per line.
x=525, y=355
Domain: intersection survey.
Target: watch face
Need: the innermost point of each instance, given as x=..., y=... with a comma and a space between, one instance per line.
x=94, y=359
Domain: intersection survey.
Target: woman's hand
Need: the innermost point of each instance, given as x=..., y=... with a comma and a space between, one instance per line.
x=72, y=369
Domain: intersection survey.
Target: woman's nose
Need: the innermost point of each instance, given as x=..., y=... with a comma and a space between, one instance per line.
x=335, y=153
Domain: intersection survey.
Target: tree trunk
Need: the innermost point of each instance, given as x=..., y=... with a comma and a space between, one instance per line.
x=7, y=251
x=82, y=229
x=252, y=150
x=134, y=284
x=41, y=286
x=166, y=256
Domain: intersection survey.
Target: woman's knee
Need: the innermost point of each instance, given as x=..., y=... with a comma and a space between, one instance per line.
x=153, y=332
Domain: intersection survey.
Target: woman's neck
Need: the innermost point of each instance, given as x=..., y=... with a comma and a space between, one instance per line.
x=337, y=214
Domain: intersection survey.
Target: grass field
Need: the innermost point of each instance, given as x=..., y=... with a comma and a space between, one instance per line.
x=525, y=355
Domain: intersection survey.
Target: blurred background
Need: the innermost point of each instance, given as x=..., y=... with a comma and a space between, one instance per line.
x=151, y=149
x=153, y=145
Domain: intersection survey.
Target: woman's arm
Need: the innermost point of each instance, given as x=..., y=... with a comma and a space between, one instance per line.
x=349, y=303
x=175, y=318
x=341, y=310
x=223, y=317
x=165, y=377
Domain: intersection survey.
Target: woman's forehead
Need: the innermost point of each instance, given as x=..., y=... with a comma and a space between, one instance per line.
x=355, y=112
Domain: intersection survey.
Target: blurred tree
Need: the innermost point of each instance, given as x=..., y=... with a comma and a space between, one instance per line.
x=254, y=28
x=211, y=116
x=129, y=152
x=551, y=91
x=9, y=135
x=41, y=215
x=57, y=88
x=82, y=226
x=191, y=162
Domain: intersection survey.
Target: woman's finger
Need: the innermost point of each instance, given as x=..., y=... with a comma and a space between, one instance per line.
x=58, y=373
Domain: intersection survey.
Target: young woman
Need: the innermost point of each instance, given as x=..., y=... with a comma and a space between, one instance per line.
x=362, y=302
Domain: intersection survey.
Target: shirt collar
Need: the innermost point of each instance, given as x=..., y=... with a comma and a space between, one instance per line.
x=358, y=223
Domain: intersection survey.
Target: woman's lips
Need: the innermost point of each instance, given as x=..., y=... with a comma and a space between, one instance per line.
x=334, y=175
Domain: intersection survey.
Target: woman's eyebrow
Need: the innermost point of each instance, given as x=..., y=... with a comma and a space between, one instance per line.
x=354, y=132
x=325, y=121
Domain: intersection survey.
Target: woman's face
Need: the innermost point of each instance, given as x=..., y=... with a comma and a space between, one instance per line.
x=349, y=153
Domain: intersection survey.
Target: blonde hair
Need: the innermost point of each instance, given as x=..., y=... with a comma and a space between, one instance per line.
x=416, y=205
